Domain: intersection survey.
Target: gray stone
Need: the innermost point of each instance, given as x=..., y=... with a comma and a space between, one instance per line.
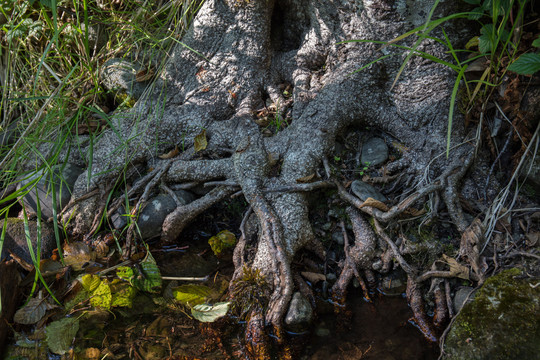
x=331, y=277
x=97, y=36
x=322, y=331
x=394, y=284
x=119, y=75
x=62, y=183
x=374, y=152
x=501, y=323
x=151, y=218
x=300, y=312
x=15, y=239
x=338, y=237
x=364, y=191
x=9, y=135
x=461, y=296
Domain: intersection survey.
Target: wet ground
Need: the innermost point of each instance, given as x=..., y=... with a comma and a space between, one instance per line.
x=377, y=330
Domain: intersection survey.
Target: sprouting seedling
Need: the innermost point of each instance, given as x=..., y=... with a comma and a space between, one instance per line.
x=365, y=168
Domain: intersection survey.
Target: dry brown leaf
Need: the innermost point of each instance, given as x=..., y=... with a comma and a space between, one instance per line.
x=375, y=203
x=306, y=179
x=313, y=277
x=200, y=142
x=170, y=154
x=470, y=246
x=144, y=75
x=456, y=268
x=533, y=238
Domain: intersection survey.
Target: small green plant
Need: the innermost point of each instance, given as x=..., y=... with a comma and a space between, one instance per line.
x=364, y=168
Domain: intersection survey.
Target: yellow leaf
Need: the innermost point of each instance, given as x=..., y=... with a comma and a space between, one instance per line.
x=200, y=142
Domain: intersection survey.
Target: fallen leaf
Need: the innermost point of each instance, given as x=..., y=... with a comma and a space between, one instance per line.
x=313, y=277
x=191, y=294
x=210, y=313
x=170, y=154
x=144, y=75
x=32, y=312
x=77, y=254
x=470, y=245
x=221, y=241
x=60, y=334
x=533, y=238
x=456, y=268
x=200, y=142
x=375, y=203
x=306, y=179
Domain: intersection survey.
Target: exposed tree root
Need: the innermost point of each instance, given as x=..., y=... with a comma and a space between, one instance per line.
x=414, y=296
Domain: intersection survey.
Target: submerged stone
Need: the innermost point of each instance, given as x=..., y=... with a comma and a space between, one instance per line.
x=300, y=312
x=502, y=322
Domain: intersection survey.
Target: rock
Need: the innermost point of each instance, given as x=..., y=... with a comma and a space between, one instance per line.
x=394, y=284
x=374, y=152
x=460, y=296
x=154, y=213
x=63, y=179
x=338, y=238
x=9, y=135
x=97, y=36
x=502, y=322
x=331, y=277
x=15, y=239
x=364, y=191
x=322, y=331
x=300, y=312
x=119, y=75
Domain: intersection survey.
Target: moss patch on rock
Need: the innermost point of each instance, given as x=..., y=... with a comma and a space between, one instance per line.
x=503, y=321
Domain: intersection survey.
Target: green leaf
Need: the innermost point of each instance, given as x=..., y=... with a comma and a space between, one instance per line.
x=147, y=276
x=536, y=43
x=125, y=273
x=210, y=313
x=60, y=334
x=223, y=240
x=472, y=2
x=526, y=64
x=476, y=13
x=191, y=294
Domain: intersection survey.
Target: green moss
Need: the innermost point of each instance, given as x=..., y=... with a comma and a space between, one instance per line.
x=503, y=321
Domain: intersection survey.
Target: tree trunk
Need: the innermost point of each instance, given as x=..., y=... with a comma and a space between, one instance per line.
x=236, y=55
